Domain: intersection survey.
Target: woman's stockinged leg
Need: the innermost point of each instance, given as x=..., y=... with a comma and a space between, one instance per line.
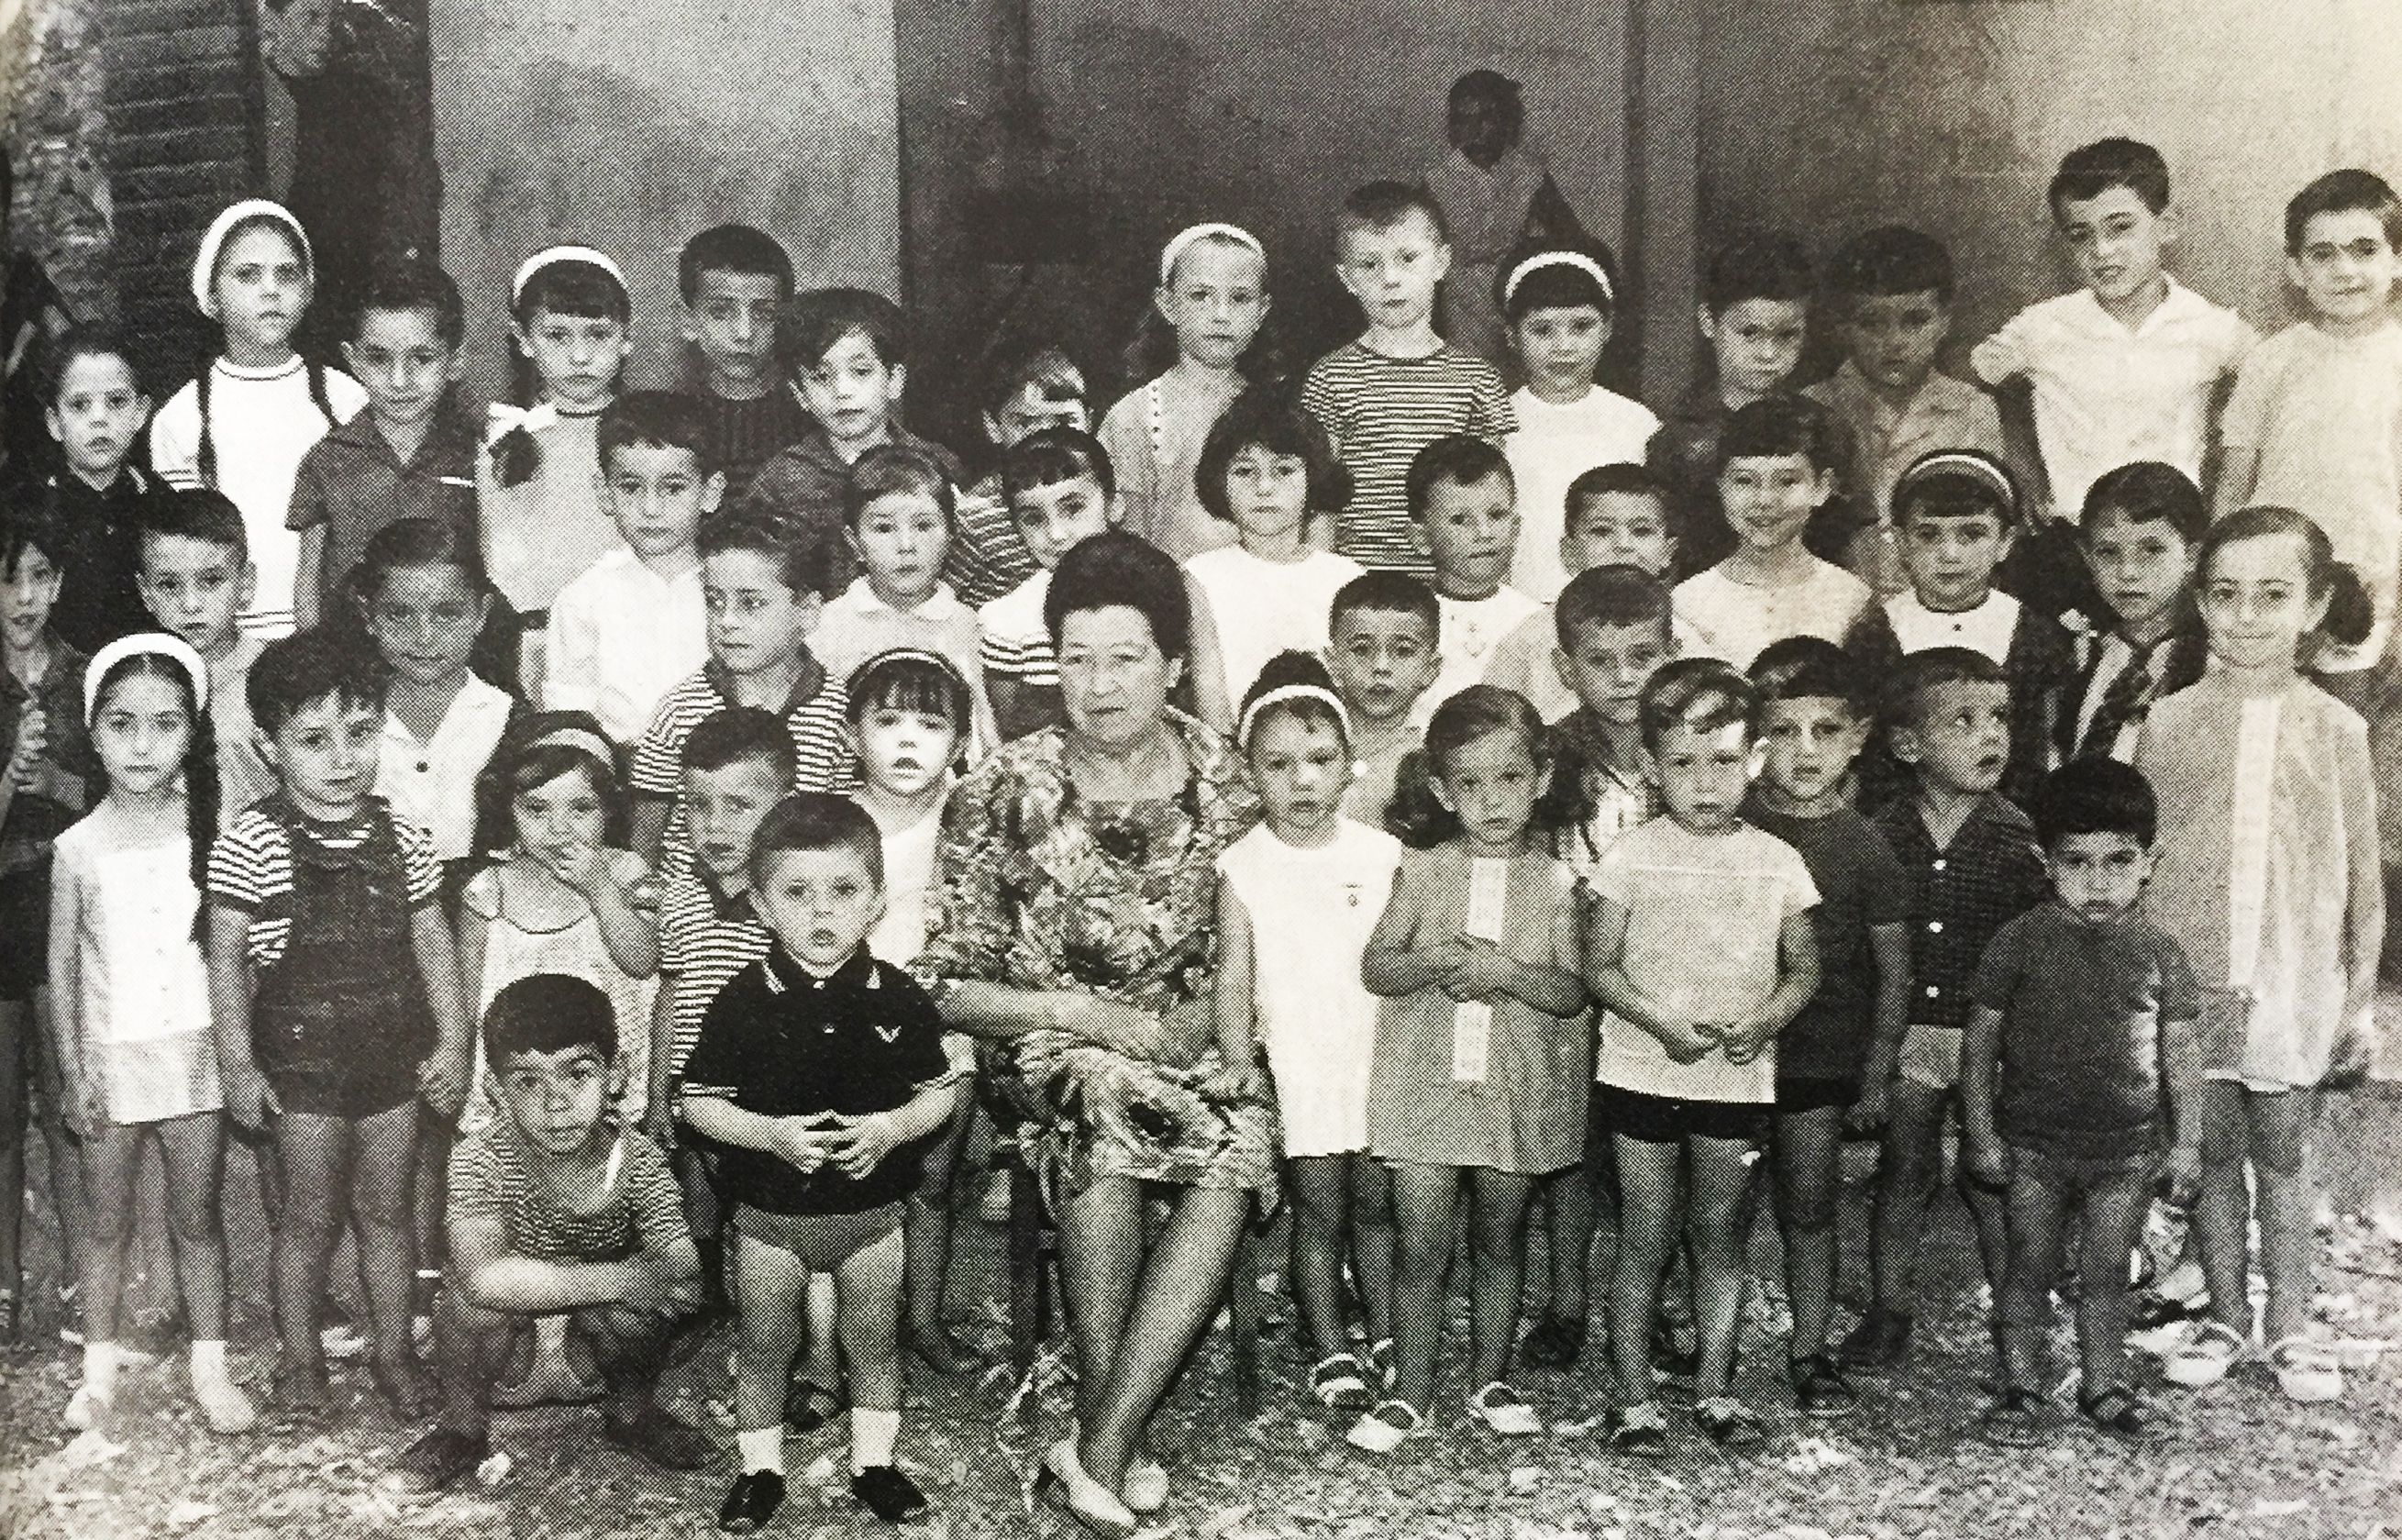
x=1426, y=1217
x=1101, y=1267
x=930, y=1217
x=1649, y=1177
x=1498, y=1236
x=1182, y=1286
x=1721, y=1202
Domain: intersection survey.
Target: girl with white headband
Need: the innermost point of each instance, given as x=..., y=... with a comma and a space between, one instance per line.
x=1196, y=344
x=131, y=1006
x=1559, y=304
x=242, y=428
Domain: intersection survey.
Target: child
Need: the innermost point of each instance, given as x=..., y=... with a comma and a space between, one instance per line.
x=733, y=279
x=1195, y=345
x=1894, y=287
x=1815, y=719
x=2123, y=369
x=1617, y=516
x=1955, y=513
x=1032, y=386
x=820, y=1146
x=196, y=579
x=2268, y=876
x=411, y=454
x=764, y=590
x=900, y=509
x=2314, y=419
x=1398, y=387
x=1494, y=189
x=1267, y=469
x=334, y=982
x=1381, y=635
x=2077, y=1070
x=1464, y=510
x=2139, y=529
x=1776, y=469
x=1974, y=866
x=1297, y=898
x=245, y=424
x=1478, y=1074
x=851, y=349
x=556, y=1209
x=130, y=1000
x=1702, y=950
x=1559, y=303
x=634, y=624
x=96, y=410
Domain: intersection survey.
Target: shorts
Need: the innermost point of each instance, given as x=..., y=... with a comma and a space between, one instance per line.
x=1815, y=1093
x=1930, y=1057
x=820, y=1241
x=1673, y=1120
x=25, y=932
x=350, y=1090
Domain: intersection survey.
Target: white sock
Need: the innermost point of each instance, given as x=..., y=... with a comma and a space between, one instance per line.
x=99, y=1365
x=762, y=1449
x=873, y=1435
x=208, y=1359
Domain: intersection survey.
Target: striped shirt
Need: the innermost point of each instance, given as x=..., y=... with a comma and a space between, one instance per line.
x=1016, y=640
x=1380, y=412
x=989, y=557
x=250, y=866
x=496, y=1176
x=815, y=717
x=705, y=939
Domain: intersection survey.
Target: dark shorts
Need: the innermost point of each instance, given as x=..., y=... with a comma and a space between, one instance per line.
x=1814, y=1094
x=1673, y=1120
x=350, y=1090
x=25, y=932
x=821, y=1241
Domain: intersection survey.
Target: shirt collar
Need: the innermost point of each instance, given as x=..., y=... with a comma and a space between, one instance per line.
x=449, y=438
x=475, y=699
x=813, y=681
x=942, y=605
x=785, y=974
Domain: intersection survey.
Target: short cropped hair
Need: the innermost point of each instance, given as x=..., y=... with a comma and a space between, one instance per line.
x=907, y=679
x=198, y=514
x=739, y=249
x=29, y=528
x=294, y=672
x=2347, y=191
x=1271, y=419
x=1381, y=205
x=2142, y=492
x=1779, y=425
x=1614, y=595
x=1044, y=366
x=1389, y=594
x=1700, y=693
x=659, y=420
x=1922, y=673
x=800, y=556
x=1117, y=568
x=1461, y=459
x=1627, y=479
x=1054, y=455
x=549, y=1013
x=412, y=284
x=1892, y=259
x=1810, y=668
x=2089, y=171
x=1761, y=264
x=817, y=821
x=815, y=321
x=2095, y=795
x=891, y=470
x=739, y=733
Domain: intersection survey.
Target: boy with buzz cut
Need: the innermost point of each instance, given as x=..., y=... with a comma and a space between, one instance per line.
x=196, y=579
x=1381, y=648
x=555, y=1210
x=1893, y=287
x=2079, y=1073
x=2123, y=369
x=634, y=624
x=1464, y=507
x=1399, y=386
x=2140, y=529
x=733, y=279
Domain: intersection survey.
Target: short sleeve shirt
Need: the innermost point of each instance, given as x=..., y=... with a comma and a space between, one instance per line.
x=1860, y=885
x=1380, y=412
x=815, y=717
x=496, y=1176
x=705, y=939
x=250, y=869
x=1961, y=895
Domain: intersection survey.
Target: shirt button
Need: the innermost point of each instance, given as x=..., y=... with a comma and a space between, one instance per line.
x=423, y=768
x=1932, y=991
x=1938, y=864
x=1935, y=927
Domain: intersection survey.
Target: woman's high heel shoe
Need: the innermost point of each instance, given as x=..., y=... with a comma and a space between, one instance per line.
x=1063, y=1484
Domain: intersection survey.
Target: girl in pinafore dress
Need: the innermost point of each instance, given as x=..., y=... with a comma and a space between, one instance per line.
x=1480, y=1077
x=2268, y=875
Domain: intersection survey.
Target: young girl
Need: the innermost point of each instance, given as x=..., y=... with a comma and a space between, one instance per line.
x=95, y=409
x=1297, y=897
x=1211, y=300
x=242, y=428
x=1267, y=467
x=130, y=998
x=1479, y=1078
x=2268, y=875
x=1558, y=302
x=538, y=489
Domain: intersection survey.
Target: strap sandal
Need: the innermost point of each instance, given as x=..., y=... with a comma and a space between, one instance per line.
x=2018, y=1417
x=1390, y=1426
x=2204, y=1358
x=1337, y=1383
x=1729, y=1423
x=2307, y=1370
x=2119, y=1412
x=1640, y=1431
x=1505, y=1412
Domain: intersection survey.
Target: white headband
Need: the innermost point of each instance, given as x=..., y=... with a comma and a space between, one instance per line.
x=1284, y=693
x=579, y=739
x=174, y=648
x=1576, y=259
x=1976, y=468
x=1185, y=240
x=204, y=261
x=915, y=655
x=552, y=256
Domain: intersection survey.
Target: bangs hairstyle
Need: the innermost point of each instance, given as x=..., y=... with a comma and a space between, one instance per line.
x=195, y=513
x=2095, y=795
x=1758, y=265
x=1284, y=671
x=295, y=673
x=1272, y=420
x=799, y=555
x=816, y=320
x=415, y=543
x=1417, y=818
x=658, y=420
x=549, y=1013
x=85, y=339
x=1778, y=425
x=1922, y=673
x=817, y=821
x=572, y=286
x=2347, y=191
x=1810, y=668
x=1616, y=595
x=522, y=761
x=739, y=733
x=405, y=284
x=1389, y=594
x=1558, y=285
x=2350, y=613
x=1381, y=205
x=29, y=528
x=1116, y=569
x=1956, y=484
x=201, y=794
x=910, y=680
x=742, y=250
x=1054, y=456
x=1892, y=259
x=1702, y=694
x=1044, y=366
x=896, y=470
x=1461, y=459
x=2089, y=171
x=2144, y=492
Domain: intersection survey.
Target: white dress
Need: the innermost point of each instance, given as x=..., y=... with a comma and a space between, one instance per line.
x=1552, y=447
x=1262, y=607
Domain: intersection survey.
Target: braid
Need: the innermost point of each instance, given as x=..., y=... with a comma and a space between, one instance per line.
x=203, y=796
x=517, y=457
x=208, y=453
x=316, y=373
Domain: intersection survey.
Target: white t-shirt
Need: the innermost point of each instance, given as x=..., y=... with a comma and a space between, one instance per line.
x=1472, y=633
x=1262, y=607
x=433, y=784
x=1552, y=447
x=621, y=637
x=1986, y=628
x=1736, y=622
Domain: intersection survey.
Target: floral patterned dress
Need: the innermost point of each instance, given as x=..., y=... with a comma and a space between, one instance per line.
x=1040, y=888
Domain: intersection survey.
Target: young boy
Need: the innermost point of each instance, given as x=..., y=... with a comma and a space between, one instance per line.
x=1382, y=650
x=1617, y=516
x=733, y=279
x=196, y=580
x=1775, y=469
x=1815, y=719
x=1463, y=508
x=820, y=1071
x=1398, y=387
x=1061, y=489
x=849, y=345
x=635, y=623
x=2316, y=413
x=2140, y=527
x=2123, y=369
x=765, y=587
x=555, y=1210
x=91, y=491
x=411, y=454
x=1032, y=387
x=1974, y=866
x=2077, y=1071
x=1894, y=286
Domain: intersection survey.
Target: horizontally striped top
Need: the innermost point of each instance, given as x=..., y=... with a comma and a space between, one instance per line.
x=815, y=715
x=250, y=866
x=705, y=939
x=1381, y=411
x=1016, y=640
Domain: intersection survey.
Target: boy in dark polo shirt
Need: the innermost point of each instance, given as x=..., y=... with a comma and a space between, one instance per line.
x=2084, y=1014
x=819, y=1071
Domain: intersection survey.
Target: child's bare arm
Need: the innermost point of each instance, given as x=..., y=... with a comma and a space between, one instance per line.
x=1208, y=665
x=631, y=934
x=1605, y=975
x=491, y=1277
x=800, y=1143
x=249, y=1100
x=659, y=1117
x=66, y=996
x=307, y=578
x=1889, y=945
x=2181, y=1070
x=2365, y=904
x=1392, y=962
x=1980, y=1043
x=1235, y=1000
x=443, y=1077
x=1797, y=984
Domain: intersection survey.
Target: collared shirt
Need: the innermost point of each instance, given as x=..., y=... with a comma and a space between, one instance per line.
x=1473, y=631
x=1944, y=414
x=36, y=819
x=815, y=715
x=749, y=432
x=1961, y=895
x=621, y=637
x=244, y=777
x=352, y=483
x=100, y=599
x=1985, y=627
x=2176, y=661
x=1015, y=639
x=856, y=624
x=431, y=783
x=705, y=939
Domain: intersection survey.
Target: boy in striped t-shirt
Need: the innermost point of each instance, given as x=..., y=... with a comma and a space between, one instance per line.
x=1060, y=487
x=1399, y=386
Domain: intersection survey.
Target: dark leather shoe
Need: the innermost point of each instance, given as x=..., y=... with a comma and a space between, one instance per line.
x=752, y=1502
x=888, y=1494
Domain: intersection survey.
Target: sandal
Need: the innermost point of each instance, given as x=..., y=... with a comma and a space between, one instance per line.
x=1639, y=1431
x=2119, y=1412
x=1505, y=1411
x=2205, y=1358
x=2307, y=1371
x=2019, y=1418
x=1390, y=1426
x=1380, y=1360
x=1729, y=1424
x=1336, y=1382
x=1820, y=1388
